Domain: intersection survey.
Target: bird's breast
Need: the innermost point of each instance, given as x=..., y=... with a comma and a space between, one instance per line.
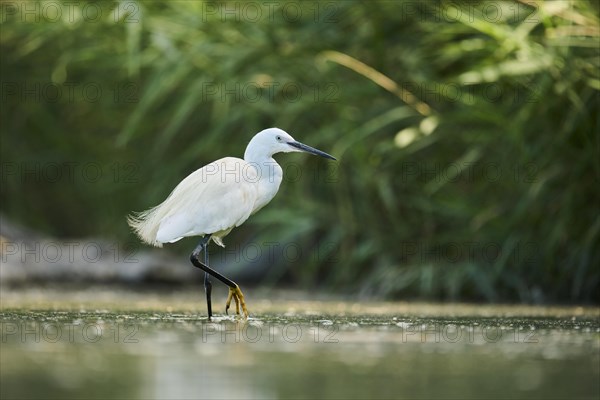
x=268, y=184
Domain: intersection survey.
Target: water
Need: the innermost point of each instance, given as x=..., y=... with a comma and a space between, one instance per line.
x=293, y=350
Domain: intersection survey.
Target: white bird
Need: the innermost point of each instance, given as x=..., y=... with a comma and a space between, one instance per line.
x=218, y=197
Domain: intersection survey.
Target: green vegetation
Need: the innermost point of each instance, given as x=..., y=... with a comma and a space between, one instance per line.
x=468, y=139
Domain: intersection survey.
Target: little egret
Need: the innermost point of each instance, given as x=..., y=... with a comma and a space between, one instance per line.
x=216, y=198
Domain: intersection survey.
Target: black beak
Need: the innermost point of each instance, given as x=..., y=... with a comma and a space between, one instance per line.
x=311, y=150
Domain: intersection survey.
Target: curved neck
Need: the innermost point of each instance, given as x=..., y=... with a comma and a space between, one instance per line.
x=264, y=163
x=255, y=155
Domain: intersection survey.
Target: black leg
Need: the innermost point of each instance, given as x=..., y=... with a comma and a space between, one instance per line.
x=209, y=271
x=207, y=284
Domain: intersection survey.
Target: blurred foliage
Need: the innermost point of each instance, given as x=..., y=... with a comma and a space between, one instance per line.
x=468, y=139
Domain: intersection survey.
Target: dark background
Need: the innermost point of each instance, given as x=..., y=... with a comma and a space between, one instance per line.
x=467, y=138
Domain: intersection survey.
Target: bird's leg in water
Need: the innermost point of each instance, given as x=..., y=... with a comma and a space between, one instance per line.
x=203, y=246
x=207, y=283
x=234, y=289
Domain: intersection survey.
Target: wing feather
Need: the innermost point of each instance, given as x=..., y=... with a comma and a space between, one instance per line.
x=212, y=199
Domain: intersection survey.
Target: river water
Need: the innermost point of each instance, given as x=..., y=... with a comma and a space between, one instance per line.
x=139, y=347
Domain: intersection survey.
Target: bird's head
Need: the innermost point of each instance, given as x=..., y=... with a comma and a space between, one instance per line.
x=274, y=140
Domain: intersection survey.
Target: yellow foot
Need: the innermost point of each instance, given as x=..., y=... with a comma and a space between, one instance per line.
x=238, y=296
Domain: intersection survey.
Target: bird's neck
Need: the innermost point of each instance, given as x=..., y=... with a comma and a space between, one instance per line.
x=266, y=165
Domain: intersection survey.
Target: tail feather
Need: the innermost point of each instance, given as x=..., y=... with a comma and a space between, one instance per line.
x=145, y=224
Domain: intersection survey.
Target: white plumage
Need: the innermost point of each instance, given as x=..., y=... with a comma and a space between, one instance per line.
x=221, y=195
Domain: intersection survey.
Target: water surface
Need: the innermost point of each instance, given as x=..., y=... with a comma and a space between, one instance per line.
x=143, y=348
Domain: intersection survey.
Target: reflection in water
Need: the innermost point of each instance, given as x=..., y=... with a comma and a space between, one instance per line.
x=141, y=355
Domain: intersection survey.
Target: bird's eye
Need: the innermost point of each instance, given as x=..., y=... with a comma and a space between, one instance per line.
x=278, y=138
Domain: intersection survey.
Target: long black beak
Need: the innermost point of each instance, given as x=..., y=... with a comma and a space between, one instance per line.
x=311, y=150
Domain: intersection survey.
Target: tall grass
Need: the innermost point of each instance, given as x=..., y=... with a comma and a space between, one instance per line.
x=468, y=138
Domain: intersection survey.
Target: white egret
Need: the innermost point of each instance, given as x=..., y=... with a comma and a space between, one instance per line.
x=216, y=198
